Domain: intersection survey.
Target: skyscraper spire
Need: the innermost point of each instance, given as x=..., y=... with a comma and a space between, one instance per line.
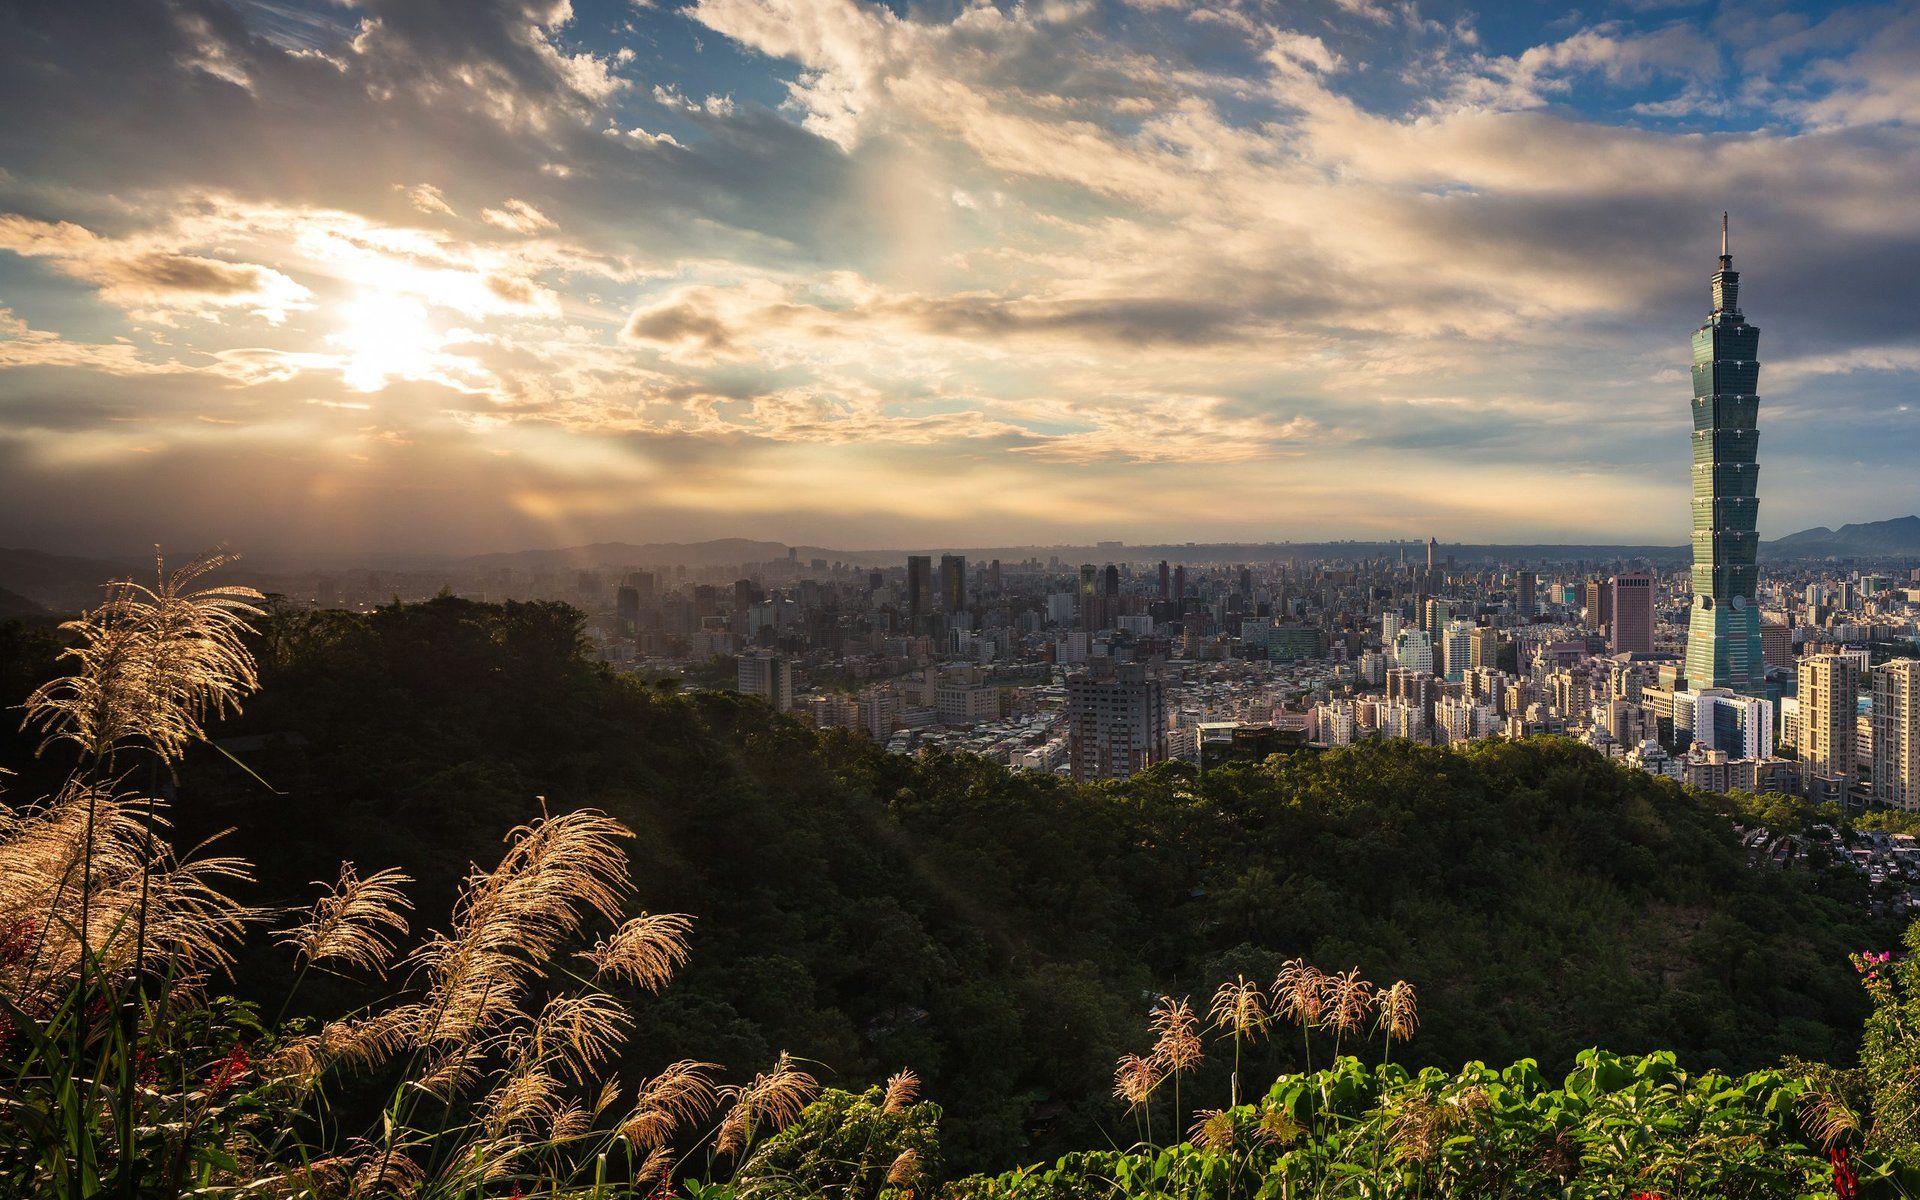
x=1723, y=629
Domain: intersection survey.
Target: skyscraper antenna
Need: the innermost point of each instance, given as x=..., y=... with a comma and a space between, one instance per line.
x=1723, y=235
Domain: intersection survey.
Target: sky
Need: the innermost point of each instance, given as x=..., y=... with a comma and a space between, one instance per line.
x=464, y=275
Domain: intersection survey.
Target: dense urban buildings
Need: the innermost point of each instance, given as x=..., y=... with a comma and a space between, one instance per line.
x=1095, y=663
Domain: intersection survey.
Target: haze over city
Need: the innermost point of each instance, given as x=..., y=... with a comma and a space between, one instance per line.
x=457, y=277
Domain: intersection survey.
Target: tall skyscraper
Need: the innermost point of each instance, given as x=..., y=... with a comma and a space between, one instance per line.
x=953, y=582
x=1528, y=604
x=1723, y=632
x=1433, y=552
x=919, y=586
x=1632, y=630
x=1116, y=726
x=1829, y=707
x=1896, y=734
x=626, y=607
x=1166, y=580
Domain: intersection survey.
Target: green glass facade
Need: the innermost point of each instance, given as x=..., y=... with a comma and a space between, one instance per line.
x=1723, y=633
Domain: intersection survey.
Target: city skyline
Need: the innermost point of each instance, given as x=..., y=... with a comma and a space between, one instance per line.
x=408, y=277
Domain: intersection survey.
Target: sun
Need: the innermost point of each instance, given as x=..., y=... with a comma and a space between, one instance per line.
x=385, y=336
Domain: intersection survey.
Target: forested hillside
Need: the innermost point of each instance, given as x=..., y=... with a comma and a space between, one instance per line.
x=1002, y=934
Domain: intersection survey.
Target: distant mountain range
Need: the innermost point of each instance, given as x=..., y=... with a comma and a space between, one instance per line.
x=34, y=579
x=1895, y=538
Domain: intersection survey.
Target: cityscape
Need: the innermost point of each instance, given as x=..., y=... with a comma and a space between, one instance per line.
x=1802, y=678
x=959, y=600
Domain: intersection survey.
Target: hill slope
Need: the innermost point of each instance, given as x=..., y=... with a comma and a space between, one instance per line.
x=1893, y=538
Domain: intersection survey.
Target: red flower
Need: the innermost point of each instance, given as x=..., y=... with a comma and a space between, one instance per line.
x=1846, y=1185
x=1648, y=1196
x=229, y=1070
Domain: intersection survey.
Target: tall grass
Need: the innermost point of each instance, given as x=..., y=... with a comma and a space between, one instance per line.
x=123, y=1072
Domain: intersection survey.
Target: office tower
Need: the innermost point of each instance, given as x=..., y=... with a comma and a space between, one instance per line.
x=744, y=595
x=1632, y=614
x=767, y=676
x=1723, y=633
x=1389, y=630
x=626, y=609
x=919, y=586
x=1116, y=726
x=1436, y=615
x=1829, y=690
x=1110, y=590
x=1246, y=582
x=1528, y=603
x=1180, y=583
x=1896, y=734
x=1740, y=725
x=1456, y=650
x=1166, y=581
x=953, y=582
x=1433, y=552
x=643, y=583
x=875, y=581
x=1089, y=596
x=1413, y=650
x=1599, y=603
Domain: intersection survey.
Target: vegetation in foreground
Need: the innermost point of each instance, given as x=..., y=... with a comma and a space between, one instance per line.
x=499, y=1056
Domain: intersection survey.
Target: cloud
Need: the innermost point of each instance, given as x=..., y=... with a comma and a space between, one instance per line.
x=135, y=275
x=517, y=216
x=429, y=199
x=1056, y=255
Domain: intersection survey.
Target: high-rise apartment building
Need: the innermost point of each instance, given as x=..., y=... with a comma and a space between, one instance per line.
x=1632, y=629
x=1776, y=644
x=767, y=676
x=1117, y=726
x=1723, y=632
x=1486, y=647
x=1599, y=602
x=1456, y=650
x=1896, y=734
x=1828, y=705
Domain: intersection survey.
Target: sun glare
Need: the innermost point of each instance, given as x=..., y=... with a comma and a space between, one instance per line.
x=385, y=337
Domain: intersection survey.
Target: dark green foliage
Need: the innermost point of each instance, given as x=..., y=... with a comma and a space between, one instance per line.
x=1616, y=1127
x=1001, y=934
x=848, y=1147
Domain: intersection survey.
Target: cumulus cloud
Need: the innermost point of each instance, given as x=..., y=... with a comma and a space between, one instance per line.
x=135, y=274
